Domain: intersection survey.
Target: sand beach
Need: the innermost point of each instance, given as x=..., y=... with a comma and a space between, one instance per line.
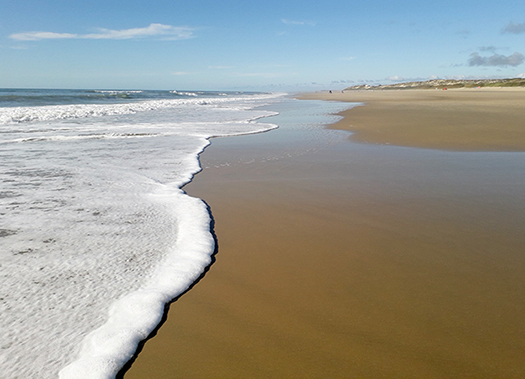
x=396, y=251
x=484, y=119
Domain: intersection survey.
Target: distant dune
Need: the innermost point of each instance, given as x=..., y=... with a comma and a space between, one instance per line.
x=445, y=83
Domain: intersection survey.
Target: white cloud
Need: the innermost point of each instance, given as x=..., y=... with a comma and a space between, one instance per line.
x=36, y=36
x=347, y=58
x=396, y=78
x=295, y=22
x=167, y=32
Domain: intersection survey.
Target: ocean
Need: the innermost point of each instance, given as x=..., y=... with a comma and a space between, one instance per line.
x=96, y=234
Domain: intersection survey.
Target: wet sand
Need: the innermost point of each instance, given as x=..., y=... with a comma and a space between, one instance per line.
x=487, y=119
x=352, y=261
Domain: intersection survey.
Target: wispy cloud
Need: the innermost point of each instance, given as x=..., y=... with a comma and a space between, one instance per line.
x=166, y=32
x=347, y=58
x=490, y=49
x=260, y=74
x=35, y=36
x=514, y=28
x=295, y=22
x=463, y=33
x=220, y=67
x=496, y=60
x=396, y=78
x=17, y=47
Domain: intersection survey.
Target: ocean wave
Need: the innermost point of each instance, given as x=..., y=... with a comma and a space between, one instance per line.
x=114, y=92
x=184, y=93
x=18, y=115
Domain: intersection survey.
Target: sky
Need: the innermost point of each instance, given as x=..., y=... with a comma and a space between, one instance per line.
x=270, y=45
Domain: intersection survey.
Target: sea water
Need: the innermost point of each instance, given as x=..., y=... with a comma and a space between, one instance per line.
x=96, y=235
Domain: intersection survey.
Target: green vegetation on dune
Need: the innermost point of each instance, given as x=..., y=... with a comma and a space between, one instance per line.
x=445, y=83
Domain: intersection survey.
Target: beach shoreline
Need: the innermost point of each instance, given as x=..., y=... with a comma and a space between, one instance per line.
x=484, y=119
x=354, y=260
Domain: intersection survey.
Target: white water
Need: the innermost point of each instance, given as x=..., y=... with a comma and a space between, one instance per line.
x=95, y=233
x=58, y=112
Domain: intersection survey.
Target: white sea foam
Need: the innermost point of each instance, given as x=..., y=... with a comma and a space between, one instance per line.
x=72, y=111
x=115, y=92
x=185, y=93
x=134, y=316
x=96, y=233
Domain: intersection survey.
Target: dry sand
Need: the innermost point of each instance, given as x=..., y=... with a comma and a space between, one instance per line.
x=354, y=261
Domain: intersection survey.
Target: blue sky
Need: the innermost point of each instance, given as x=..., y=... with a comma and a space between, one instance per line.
x=260, y=45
